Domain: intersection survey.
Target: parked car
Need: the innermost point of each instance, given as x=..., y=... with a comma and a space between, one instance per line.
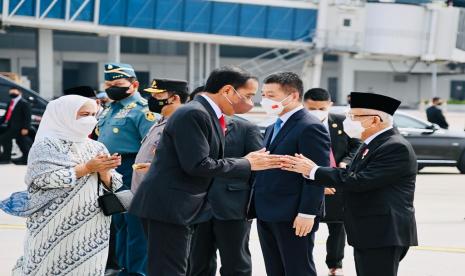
x=434, y=146
x=38, y=103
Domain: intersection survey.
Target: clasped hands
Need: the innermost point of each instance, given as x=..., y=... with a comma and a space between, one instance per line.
x=103, y=164
x=263, y=160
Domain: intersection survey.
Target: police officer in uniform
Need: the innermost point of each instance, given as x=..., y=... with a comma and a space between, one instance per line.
x=121, y=128
x=167, y=96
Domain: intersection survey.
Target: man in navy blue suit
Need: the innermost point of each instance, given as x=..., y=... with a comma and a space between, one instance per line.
x=287, y=210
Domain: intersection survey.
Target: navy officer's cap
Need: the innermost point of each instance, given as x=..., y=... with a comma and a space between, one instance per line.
x=114, y=71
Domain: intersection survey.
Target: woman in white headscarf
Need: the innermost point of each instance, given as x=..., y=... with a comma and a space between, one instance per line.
x=67, y=233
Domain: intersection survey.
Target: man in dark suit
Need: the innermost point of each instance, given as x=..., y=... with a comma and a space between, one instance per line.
x=343, y=149
x=173, y=196
x=435, y=115
x=15, y=125
x=379, y=186
x=228, y=229
x=287, y=209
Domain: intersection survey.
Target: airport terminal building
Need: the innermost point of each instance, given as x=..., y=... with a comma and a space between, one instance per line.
x=411, y=50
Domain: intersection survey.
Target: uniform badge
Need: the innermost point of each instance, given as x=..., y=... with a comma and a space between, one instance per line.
x=115, y=130
x=131, y=105
x=109, y=67
x=339, y=132
x=149, y=116
x=334, y=125
x=122, y=113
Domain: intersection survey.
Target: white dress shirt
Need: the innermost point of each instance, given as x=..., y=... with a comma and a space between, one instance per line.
x=288, y=115
x=366, y=142
x=215, y=107
x=325, y=122
x=16, y=100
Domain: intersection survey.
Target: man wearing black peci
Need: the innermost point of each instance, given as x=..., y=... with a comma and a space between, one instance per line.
x=379, y=186
x=343, y=149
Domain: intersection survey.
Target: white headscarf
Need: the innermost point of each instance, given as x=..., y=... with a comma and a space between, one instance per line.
x=59, y=119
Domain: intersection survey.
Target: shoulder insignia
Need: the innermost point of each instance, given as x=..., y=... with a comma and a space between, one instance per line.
x=149, y=116
x=97, y=131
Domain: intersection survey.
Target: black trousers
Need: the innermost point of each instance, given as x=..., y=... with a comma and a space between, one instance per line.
x=382, y=261
x=335, y=245
x=231, y=238
x=285, y=253
x=168, y=248
x=6, y=142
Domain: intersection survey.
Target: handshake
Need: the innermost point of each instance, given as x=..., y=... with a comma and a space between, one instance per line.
x=263, y=160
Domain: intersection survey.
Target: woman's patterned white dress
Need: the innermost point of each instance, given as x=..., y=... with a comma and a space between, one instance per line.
x=70, y=234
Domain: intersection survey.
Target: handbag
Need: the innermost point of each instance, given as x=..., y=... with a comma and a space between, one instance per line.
x=113, y=203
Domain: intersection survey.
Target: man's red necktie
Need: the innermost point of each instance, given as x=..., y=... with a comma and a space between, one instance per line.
x=332, y=160
x=222, y=123
x=10, y=111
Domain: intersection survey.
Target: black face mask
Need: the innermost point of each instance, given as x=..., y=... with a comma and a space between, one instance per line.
x=14, y=96
x=117, y=93
x=157, y=105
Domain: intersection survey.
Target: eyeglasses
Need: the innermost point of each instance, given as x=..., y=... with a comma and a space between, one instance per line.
x=246, y=97
x=353, y=116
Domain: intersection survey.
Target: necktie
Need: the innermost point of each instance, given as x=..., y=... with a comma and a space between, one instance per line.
x=276, y=128
x=9, y=112
x=332, y=160
x=222, y=123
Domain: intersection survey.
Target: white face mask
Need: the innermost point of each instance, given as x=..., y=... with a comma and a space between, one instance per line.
x=353, y=129
x=84, y=126
x=272, y=108
x=320, y=114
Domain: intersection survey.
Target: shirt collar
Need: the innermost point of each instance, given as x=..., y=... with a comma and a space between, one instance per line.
x=326, y=122
x=17, y=99
x=372, y=137
x=215, y=107
x=288, y=115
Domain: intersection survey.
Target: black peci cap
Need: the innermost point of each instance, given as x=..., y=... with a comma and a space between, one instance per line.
x=165, y=85
x=374, y=101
